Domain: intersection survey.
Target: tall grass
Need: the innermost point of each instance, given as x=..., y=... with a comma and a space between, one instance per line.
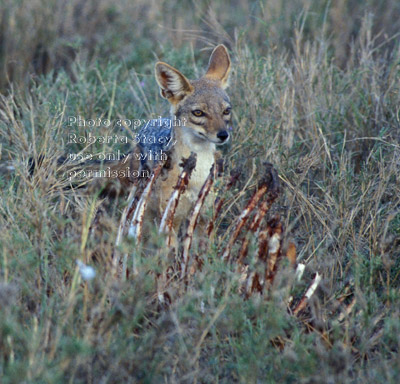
x=315, y=90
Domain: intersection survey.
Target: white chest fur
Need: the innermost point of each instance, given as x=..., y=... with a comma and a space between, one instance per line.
x=204, y=163
x=205, y=151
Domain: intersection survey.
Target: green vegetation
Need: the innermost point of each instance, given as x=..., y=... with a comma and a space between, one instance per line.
x=315, y=90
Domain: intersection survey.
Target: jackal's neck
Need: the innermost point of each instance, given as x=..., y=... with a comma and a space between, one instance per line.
x=187, y=141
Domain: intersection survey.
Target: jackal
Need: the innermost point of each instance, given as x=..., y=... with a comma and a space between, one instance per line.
x=203, y=111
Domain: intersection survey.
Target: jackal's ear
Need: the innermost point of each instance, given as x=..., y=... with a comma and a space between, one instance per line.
x=173, y=85
x=219, y=65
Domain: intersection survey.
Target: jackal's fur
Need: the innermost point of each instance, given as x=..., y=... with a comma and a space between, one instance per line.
x=204, y=112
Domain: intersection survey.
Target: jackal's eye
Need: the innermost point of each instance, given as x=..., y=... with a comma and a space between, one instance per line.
x=198, y=113
x=227, y=111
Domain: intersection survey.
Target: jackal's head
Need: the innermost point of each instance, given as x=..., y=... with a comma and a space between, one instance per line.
x=203, y=103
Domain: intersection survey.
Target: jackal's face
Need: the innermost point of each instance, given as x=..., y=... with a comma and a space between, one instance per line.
x=202, y=104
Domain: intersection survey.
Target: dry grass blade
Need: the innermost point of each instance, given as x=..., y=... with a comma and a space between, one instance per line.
x=243, y=250
x=274, y=229
x=205, y=189
x=168, y=217
x=269, y=252
x=242, y=219
x=122, y=229
x=235, y=174
x=137, y=219
x=254, y=225
x=291, y=254
x=347, y=310
x=310, y=291
x=268, y=183
x=132, y=201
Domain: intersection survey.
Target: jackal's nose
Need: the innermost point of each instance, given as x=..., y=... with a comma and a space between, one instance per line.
x=222, y=135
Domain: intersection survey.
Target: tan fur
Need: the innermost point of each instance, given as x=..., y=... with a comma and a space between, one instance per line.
x=199, y=134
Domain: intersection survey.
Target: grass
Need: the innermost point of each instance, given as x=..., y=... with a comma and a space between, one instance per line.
x=315, y=90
